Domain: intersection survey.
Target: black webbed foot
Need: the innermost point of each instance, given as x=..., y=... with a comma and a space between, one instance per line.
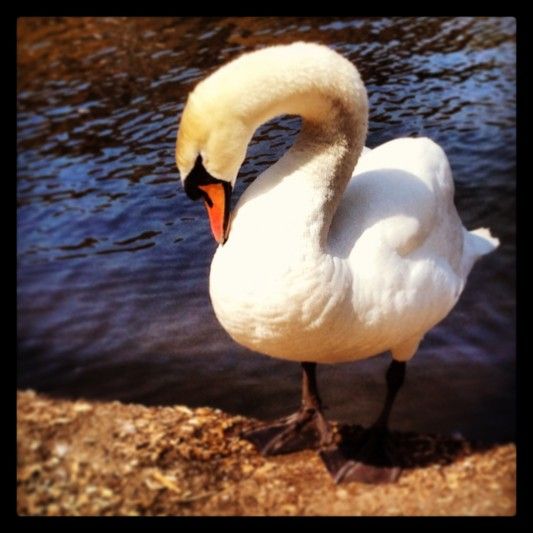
x=305, y=429
x=370, y=459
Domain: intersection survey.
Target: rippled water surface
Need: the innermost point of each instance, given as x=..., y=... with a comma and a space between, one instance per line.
x=113, y=259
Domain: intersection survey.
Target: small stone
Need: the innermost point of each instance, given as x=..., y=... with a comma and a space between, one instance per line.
x=288, y=509
x=53, y=461
x=248, y=469
x=194, y=422
x=62, y=420
x=53, y=510
x=127, y=428
x=107, y=493
x=82, y=407
x=184, y=410
x=61, y=449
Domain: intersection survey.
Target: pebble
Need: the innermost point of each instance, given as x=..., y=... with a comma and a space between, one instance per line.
x=127, y=428
x=107, y=493
x=247, y=469
x=61, y=449
x=82, y=407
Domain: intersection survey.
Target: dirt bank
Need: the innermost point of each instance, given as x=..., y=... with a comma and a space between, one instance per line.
x=87, y=458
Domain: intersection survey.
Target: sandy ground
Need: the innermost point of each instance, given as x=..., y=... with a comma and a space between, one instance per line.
x=81, y=458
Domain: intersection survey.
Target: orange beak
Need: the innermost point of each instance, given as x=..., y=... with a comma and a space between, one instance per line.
x=217, y=203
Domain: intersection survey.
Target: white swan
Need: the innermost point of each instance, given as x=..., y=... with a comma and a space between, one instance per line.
x=319, y=265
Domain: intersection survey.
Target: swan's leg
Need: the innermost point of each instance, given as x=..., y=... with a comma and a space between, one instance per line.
x=307, y=428
x=372, y=459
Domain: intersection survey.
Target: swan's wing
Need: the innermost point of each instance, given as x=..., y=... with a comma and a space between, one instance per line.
x=398, y=228
x=401, y=195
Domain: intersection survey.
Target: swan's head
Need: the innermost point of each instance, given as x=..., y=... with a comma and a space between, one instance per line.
x=224, y=110
x=210, y=149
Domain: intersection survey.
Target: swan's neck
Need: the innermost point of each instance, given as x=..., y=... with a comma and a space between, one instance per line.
x=315, y=172
x=326, y=90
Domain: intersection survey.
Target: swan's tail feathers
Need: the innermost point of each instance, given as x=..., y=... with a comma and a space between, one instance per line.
x=482, y=242
x=477, y=243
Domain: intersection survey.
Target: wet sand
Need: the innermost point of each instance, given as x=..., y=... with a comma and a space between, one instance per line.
x=89, y=458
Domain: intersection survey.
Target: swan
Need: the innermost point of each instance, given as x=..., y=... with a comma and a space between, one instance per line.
x=336, y=252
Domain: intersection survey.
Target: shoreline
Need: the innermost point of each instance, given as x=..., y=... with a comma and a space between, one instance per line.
x=108, y=458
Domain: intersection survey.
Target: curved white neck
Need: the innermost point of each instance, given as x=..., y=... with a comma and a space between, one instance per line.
x=326, y=90
x=312, y=176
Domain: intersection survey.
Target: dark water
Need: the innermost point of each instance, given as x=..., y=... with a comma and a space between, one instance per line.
x=113, y=259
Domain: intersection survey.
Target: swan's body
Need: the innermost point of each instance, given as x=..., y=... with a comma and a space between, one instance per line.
x=394, y=264
x=323, y=262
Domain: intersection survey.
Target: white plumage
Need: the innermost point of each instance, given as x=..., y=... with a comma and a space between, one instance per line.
x=326, y=263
